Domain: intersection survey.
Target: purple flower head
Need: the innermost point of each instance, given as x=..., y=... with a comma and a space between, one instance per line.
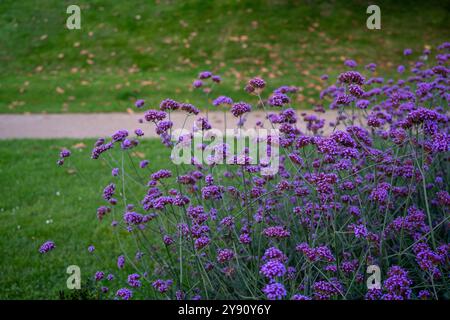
x=139, y=103
x=424, y=294
x=102, y=211
x=355, y=90
x=343, y=100
x=257, y=83
x=205, y=75
x=216, y=78
x=325, y=290
x=133, y=280
x=197, y=83
x=359, y=230
x=99, y=275
x=109, y=191
x=224, y=255
x=91, y=248
x=245, y=238
x=132, y=218
x=278, y=100
x=240, y=108
x=119, y=135
x=47, y=246
x=350, y=63
x=124, y=294
x=168, y=240
x=143, y=164
x=373, y=294
x=169, y=104
x=407, y=52
x=120, y=262
x=274, y=291
x=371, y=67
x=397, y=284
x=272, y=269
x=212, y=192
x=163, y=126
x=351, y=77
x=273, y=253
x=362, y=104
x=154, y=115
x=162, y=285
x=128, y=144
x=276, y=232
x=64, y=153
x=222, y=100
x=201, y=242
x=189, y=108
x=98, y=150
x=161, y=174
x=227, y=222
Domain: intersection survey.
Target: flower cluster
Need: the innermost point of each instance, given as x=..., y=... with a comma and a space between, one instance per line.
x=368, y=187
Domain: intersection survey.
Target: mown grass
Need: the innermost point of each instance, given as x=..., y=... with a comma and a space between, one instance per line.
x=152, y=50
x=41, y=201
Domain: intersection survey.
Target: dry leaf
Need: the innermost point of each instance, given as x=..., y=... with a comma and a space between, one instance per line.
x=79, y=145
x=71, y=171
x=138, y=154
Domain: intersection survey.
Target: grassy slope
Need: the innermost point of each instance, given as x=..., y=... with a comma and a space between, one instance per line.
x=154, y=49
x=31, y=182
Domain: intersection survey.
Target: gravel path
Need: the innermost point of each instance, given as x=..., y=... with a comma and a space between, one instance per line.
x=94, y=125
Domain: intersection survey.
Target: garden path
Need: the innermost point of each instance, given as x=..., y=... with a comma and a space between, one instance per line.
x=94, y=125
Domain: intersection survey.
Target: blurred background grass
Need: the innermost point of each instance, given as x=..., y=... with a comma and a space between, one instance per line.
x=41, y=201
x=154, y=49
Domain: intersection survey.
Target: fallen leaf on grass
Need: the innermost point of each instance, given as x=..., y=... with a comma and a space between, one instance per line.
x=79, y=145
x=138, y=154
x=71, y=171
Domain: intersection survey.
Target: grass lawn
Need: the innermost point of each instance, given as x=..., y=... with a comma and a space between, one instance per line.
x=41, y=201
x=154, y=49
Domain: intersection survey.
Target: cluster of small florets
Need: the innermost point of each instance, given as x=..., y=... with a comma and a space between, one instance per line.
x=169, y=105
x=162, y=285
x=240, y=108
x=133, y=280
x=224, y=255
x=47, y=246
x=222, y=101
x=367, y=187
x=205, y=75
x=351, y=77
x=315, y=254
x=278, y=100
x=62, y=155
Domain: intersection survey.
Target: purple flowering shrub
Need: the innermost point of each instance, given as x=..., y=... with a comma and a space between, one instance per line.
x=368, y=188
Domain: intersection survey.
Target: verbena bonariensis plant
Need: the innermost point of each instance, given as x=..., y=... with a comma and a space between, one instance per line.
x=372, y=191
